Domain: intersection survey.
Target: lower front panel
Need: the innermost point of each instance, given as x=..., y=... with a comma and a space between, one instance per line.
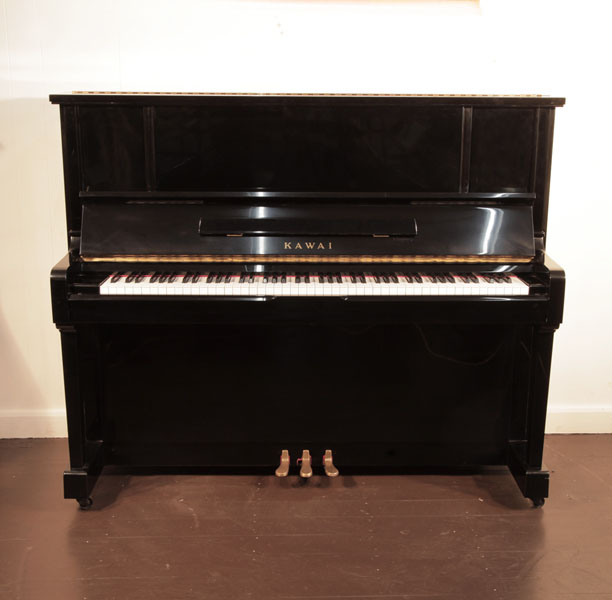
x=235, y=395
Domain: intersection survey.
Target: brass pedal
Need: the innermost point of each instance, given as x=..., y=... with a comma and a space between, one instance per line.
x=283, y=467
x=306, y=464
x=328, y=464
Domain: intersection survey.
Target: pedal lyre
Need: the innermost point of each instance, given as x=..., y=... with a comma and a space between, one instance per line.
x=306, y=464
x=283, y=467
x=328, y=464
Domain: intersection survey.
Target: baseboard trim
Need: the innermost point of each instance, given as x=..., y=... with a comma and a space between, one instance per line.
x=51, y=422
x=579, y=419
x=33, y=423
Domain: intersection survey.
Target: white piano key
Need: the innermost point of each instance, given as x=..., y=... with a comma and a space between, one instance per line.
x=106, y=285
x=293, y=286
x=119, y=286
x=234, y=285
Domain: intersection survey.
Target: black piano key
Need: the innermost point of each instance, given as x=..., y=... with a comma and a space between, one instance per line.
x=362, y=278
x=353, y=278
x=274, y=277
x=472, y=277
x=450, y=278
x=506, y=278
x=394, y=278
x=251, y=277
x=155, y=276
x=307, y=277
x=330, y=278
x=265, y=278
x=140, y=277
x=131, y=277
x=211, y=277
x=117, y=276
x=172, y=277
x=464, y=277
x=321, y=278
x=298, y=278
x=376, y=277
x=187, y=277
x=283, y=277
x=418, y=278
x=408, y=276
x=385, y=278
x=242, y=277
x=338, y=277
x=164, y=277
x=220, y=277
x=487, y=278
x=196, y=277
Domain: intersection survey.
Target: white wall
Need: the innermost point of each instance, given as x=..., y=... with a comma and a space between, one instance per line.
x=500, y=46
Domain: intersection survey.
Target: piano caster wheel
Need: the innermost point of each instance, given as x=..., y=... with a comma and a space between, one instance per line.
x=306, y=462
x=85, y=503
x=328, y=464
x=283, y=468
x=538, y=502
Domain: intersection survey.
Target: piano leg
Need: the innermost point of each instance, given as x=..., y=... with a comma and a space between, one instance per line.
x=533, y=482
x=86, y=456
x=525, y=456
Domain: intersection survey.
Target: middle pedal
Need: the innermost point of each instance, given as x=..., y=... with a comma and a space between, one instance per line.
x=305, y=464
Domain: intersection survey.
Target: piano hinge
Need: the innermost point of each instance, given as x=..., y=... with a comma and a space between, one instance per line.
x=74, y=242
x=539, y=240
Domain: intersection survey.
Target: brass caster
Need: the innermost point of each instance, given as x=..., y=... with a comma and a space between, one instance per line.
x=84, y=503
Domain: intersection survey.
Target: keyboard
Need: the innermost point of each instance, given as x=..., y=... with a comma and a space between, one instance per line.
x=185, y=283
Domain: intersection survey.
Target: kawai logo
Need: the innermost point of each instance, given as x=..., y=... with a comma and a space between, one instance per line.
x=308, y=245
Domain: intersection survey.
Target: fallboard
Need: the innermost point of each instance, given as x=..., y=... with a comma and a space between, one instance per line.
x=209, y=232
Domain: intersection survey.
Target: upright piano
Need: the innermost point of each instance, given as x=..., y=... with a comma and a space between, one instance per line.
x=306, y=283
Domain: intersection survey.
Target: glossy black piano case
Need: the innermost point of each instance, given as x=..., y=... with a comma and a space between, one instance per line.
x=230, y=382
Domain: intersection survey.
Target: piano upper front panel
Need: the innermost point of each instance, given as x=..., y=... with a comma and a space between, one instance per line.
x=112, y=148
x=313, y=148
x=502, y=150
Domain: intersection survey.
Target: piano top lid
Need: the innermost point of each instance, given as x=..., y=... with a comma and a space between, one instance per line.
x=147, y=98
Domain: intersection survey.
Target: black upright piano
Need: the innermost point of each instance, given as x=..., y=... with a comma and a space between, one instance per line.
x=306, y=283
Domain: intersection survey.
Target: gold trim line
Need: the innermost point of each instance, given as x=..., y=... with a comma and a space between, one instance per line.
x=292, y=258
